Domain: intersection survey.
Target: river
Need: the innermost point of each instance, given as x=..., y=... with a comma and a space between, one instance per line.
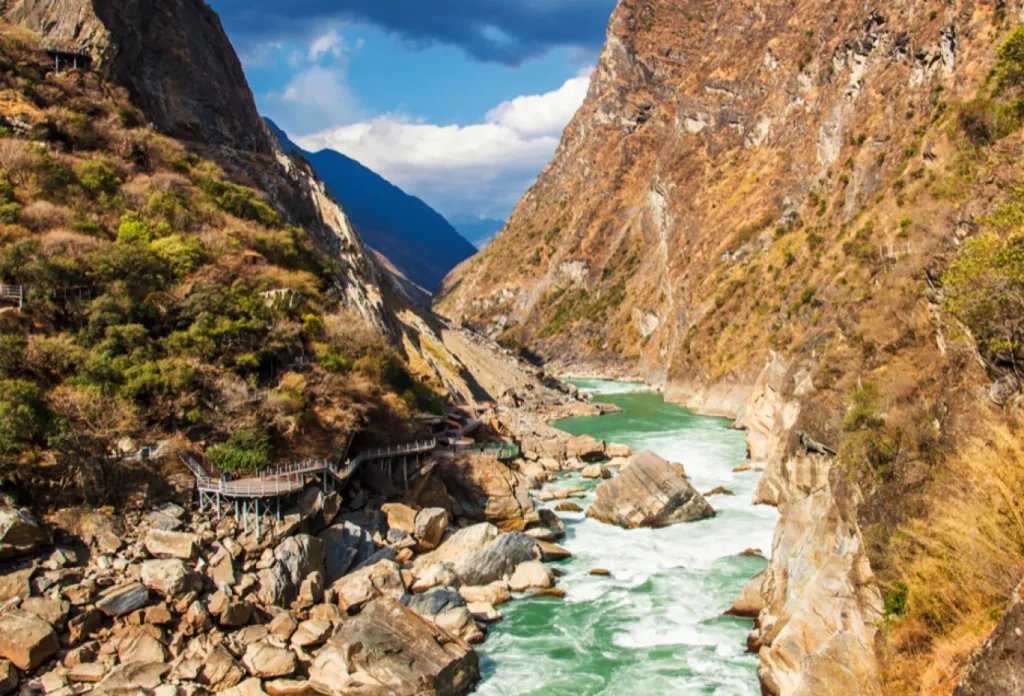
x=655, y=626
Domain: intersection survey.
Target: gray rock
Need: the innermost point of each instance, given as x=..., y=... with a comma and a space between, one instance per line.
x=345, y=545
x=648, y=492
x=497, y=560
x=123, y=599
x=997, y=668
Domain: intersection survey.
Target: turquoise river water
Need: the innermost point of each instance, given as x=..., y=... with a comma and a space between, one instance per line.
x=655, y=626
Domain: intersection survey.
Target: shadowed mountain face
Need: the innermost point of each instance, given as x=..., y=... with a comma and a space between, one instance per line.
x=414, y=237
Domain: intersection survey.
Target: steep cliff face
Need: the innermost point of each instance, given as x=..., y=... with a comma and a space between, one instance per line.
x=757, y=207
x=719, y=163
x=172, y=56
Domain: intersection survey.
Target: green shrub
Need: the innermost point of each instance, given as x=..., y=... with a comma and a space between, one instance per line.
x=132, y=230
x=247, y=450
x=895, y=600
x=22, y=415
x=182, y=254
x=97, y=178
x=10, y=213
x=1009, y=70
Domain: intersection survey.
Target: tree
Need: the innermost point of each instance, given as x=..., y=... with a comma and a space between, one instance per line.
x=87, y=429
x=984, y=289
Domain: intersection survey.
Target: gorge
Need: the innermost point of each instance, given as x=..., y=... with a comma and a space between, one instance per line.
x=796, y=229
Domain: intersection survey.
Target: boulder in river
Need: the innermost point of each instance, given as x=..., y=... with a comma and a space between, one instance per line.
x=648, y=492
x=488, y=491
x=751, y=600
x=586, y=448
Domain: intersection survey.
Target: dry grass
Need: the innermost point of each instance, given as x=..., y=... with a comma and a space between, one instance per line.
x=959, y=562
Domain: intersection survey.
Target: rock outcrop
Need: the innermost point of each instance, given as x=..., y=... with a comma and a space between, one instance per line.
x=820, y=602
x=20, y=533
x=171, y=55
x=997, y=669
x=489, y=491
x=648, y=492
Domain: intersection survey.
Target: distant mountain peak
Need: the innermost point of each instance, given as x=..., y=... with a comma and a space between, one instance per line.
x=419, y=242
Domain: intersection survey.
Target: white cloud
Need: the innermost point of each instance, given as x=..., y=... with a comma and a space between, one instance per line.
x=314, y=96
x=332, y=43
x=542, y=114
x=479, y=168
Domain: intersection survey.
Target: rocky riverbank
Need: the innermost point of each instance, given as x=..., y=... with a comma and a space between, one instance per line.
x=366, y=590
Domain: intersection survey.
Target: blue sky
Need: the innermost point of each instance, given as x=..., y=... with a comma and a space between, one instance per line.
x=460, y=102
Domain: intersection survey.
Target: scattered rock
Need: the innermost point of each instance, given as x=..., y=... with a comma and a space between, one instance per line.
x=460, y=545
x=756, y=553
x=495, y=594
x=163, y=544
x=439, y=574
x=357, y=588
x=312, y=632
x=568, y=507
x=585, y=448
x=236, y=614
x=16, y=583
x=25, y=639
x=446, y=608
x=595, y=471
x=600, y=571
x=616, y=450
x=52, y=611
x=649, y=492
x=84, y=625
x=529, y=575
x=429, y=527
x=123, y=599
x=20, y=533
x=345, y=545
x=283, y=626
x=88, y=672
x=220, y=671
x=552, y=552
x=550, y=592
x=718, y=490
x=484, y=611
x=487, y=490
x=170, y=577
x=266, y=661
x=318, y=509
x=400, y=516
x=136, y=644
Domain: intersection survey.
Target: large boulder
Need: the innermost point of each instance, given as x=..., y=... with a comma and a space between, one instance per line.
x=460, y=545
x=345, y=545
x=390, y=644
x=497, y=560
x=318, y=509
x=20, y=533
x=488, y=491
x=648, y=492
x=446, y=608
x=25, y=639
x=300, y=555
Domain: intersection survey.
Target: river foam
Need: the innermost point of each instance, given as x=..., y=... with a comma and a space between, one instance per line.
x=655, y=625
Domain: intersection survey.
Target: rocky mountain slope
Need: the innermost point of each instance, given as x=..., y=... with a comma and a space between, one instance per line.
x=806, y=216
x=417, y=241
